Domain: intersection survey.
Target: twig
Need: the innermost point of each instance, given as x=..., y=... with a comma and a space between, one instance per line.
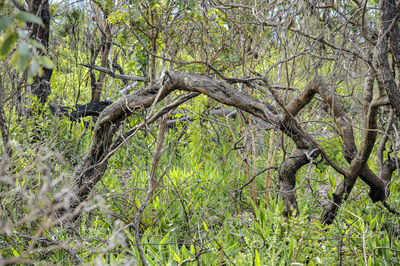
x=112, y=74
x=19, y=6
x=387, y=206
x=252, y=179
x=196, y=258
x=144, y=204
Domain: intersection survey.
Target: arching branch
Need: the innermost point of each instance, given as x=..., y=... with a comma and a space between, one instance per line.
x=94, y=164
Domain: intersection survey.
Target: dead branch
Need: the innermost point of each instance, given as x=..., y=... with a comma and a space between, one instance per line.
x=113, y=74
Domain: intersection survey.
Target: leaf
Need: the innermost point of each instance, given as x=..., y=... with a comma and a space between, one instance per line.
x=176, y=257
x=37, y=45
x=165, y=238
x=137, y=202
x=45, y=61
x=205, y=227
x=24, y=55
x=28, y=17
x=15, y=252
x=5, y=21
x=34, y=67
x=291, y=250
x=7, y=44
x=257, y=261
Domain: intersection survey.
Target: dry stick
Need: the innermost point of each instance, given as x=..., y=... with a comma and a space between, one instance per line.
x=160, y=91
x=387, y=206
x=162, y=124
x=270, y=162
x=245, y=136
x=253, y=145
x=249, y=131
x=396, y=149
x=196, y=258
x=112, y=74
x=162, y=129
x=237, y=150
x=252, y=179
x=106, y=45
x=143, y=205
x=3, y=124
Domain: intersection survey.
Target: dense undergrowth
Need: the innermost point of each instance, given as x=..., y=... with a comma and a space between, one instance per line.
x=201, y=210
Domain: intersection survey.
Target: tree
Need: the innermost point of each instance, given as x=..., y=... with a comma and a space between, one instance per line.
x=32, y=47
x=336, y=40
x=41, y=33
x=209, y=106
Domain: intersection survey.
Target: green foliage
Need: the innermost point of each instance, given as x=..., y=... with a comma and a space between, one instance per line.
x=195, y=211
x=201, y=210
x=13, y=34
x=8, y=43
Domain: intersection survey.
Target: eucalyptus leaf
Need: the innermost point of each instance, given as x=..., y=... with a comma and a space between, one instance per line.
x=5, y=21
x=34, y=67
x=28, y=17
x=24, y=55
x=7, y=44
x=45, y=61
x=37, y=45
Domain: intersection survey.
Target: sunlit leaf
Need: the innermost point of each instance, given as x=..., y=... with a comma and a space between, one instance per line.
x=205, y=226
x=176, y=257
x=257, y=261
x=46, y=62
x=15, y=252
x=7, y=44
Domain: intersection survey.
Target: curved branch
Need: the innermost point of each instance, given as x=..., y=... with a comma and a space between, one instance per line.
x=357, y=159
x=93, y=166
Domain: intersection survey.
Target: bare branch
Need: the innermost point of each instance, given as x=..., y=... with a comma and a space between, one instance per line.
x=112, y=74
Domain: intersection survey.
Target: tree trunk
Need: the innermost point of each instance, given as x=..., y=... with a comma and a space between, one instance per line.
x=41, y=84
x=106, y=43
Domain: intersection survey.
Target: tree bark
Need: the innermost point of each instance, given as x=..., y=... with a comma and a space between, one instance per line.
x=41, y=84
x=80, y=110
x=106, y=44
x=388, y=26
x=3, y=123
